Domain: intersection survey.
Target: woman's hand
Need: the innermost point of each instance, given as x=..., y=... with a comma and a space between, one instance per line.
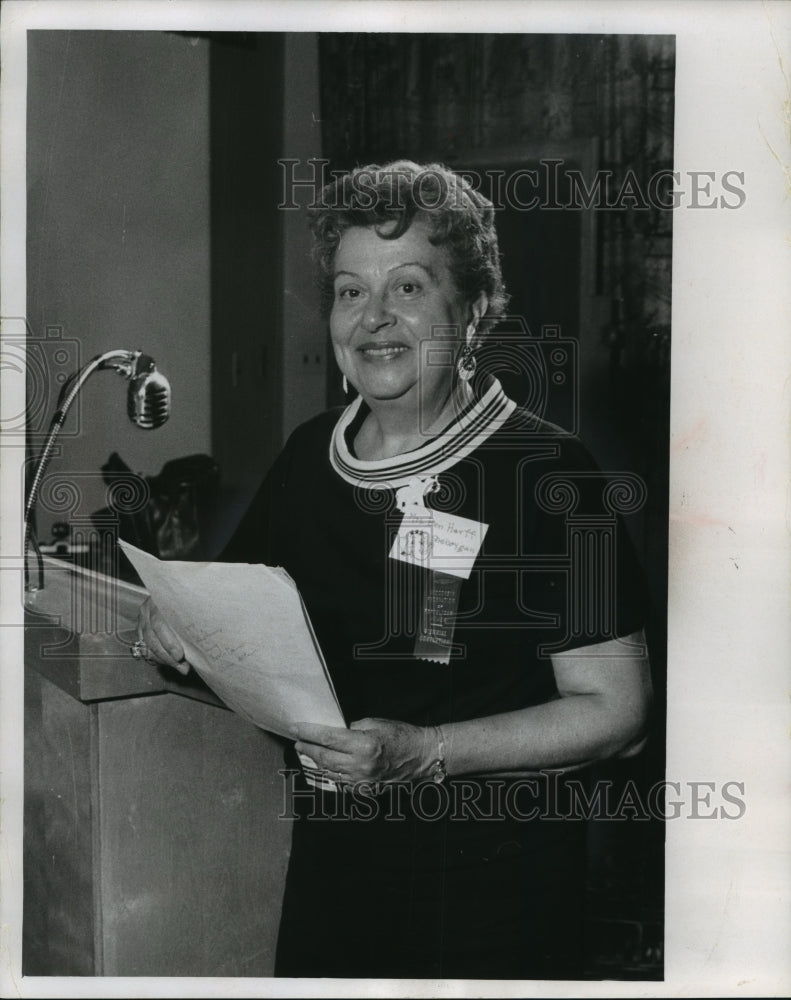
x=371, y=750
x=164, y=646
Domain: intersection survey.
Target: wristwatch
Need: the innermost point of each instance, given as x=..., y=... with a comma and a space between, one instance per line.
x=438, y=771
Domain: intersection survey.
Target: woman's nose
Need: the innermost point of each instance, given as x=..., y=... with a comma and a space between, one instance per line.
x=376, y=314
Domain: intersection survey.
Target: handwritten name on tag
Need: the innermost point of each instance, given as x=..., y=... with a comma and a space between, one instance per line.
x=445, y=543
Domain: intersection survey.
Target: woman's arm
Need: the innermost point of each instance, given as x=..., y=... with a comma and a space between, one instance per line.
x=605, y=694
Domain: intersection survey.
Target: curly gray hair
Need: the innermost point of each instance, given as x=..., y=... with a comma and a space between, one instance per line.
x=460, y=218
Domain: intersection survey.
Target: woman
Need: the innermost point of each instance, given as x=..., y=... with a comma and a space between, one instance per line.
x=423, y=527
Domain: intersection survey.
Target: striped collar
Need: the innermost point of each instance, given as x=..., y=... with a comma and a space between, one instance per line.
x=474, y=425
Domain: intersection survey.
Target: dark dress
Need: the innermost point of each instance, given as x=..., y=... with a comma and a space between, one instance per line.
x=482, y=877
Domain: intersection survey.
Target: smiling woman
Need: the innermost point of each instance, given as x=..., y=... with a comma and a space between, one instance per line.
x=396, y=305
x=477, y=602
x=409, y=274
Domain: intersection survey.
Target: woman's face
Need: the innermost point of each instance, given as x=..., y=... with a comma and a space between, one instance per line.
x=397, y=320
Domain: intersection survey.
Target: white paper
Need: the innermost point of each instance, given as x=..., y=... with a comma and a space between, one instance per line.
x=246, y=632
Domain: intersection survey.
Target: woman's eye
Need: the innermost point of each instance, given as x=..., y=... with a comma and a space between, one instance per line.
x=409, y=287
x=348, y=293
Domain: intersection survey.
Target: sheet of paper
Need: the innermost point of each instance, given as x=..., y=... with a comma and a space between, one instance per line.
x=246, y=632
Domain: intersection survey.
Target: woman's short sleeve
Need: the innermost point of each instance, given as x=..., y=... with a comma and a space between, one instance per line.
x=591, y=583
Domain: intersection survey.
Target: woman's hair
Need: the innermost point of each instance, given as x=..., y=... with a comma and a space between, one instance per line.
x=460, y=219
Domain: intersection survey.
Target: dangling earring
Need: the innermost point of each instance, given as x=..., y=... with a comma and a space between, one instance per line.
x=467, y=363
x=345, y=386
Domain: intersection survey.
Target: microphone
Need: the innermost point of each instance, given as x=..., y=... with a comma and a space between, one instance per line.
x=147, y=404
x=148, y=396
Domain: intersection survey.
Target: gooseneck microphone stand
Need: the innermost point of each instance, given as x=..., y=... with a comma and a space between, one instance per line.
x=148, y=405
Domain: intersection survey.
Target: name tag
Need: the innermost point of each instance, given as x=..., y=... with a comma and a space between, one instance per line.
x=435, y=540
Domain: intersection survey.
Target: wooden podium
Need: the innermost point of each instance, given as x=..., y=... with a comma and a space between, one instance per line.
x=153, y=844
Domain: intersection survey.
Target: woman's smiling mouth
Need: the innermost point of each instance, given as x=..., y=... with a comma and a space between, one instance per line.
x=382, y=352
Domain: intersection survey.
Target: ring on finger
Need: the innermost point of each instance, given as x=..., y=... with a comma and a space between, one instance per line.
x=139, y=650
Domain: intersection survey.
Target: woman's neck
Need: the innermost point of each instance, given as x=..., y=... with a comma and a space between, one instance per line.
x=393, y=427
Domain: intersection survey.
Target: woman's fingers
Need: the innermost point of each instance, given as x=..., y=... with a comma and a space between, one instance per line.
x=166, y=636
x=163, y=644
x=370, y=749
x=332, y=737
x=337, y=751
x=327, y=760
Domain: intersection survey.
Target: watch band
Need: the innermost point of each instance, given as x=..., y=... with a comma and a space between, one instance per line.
x=439, y=772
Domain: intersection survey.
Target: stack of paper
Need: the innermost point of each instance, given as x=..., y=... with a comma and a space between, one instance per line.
x=247, y=633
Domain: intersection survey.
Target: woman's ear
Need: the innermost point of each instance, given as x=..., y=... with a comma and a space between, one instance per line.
x=477, y=312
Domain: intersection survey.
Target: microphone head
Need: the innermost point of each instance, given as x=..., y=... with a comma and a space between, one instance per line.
x=148, y=398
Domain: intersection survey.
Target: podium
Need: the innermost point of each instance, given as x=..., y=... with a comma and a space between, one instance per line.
x=153, y=843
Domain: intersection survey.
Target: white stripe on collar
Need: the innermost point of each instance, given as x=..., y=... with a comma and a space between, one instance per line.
x=469, y=430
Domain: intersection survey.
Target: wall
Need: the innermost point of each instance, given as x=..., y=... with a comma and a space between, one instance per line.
x=304, y=333
x=246, y=73
x=154, y=222
x=118, y=234
x=268, y=343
